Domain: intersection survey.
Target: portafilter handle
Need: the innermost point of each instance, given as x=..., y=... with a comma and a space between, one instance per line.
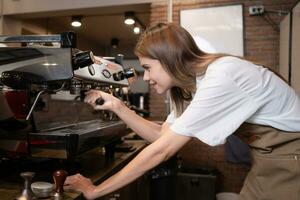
x=59, y=178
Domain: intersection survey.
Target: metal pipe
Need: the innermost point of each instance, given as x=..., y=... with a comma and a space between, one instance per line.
x=33, y=105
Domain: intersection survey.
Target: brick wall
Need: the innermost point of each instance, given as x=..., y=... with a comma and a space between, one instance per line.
x=261, y=45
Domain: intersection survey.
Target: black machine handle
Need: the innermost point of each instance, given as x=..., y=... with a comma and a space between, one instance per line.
x=100, y=101
x=127, y=73
x=82, y=59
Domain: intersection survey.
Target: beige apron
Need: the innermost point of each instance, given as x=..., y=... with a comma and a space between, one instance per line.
x=275, y=171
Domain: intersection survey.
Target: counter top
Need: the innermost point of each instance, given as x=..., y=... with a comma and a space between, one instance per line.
x=93, y=165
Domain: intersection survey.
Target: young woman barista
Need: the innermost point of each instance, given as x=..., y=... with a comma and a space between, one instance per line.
x=226, y=95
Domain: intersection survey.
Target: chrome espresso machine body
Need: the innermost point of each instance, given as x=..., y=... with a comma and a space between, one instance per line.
x=42, y=113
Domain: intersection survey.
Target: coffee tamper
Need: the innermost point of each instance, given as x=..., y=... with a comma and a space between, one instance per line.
x=59, y=178
x=27, y=193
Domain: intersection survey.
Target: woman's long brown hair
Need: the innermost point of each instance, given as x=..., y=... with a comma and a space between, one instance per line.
x=180, y=57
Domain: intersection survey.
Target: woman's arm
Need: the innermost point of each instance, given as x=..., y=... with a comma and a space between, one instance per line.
x=160, y=150
x=149, y=131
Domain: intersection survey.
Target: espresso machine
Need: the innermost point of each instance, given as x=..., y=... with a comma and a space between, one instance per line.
x=43, y=80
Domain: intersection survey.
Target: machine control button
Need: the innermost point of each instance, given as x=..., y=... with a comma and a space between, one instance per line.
x=82, y=59
x=91, y=70
x=126, y=73
x=106, y=73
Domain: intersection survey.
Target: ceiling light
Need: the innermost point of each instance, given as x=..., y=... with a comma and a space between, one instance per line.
x=136, y=30
x=76, y=21
x=129, y=18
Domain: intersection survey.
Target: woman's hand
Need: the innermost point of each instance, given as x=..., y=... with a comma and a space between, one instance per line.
x=80, y=184
x=110, y=102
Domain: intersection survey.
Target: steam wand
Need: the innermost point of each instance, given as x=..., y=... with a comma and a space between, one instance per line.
x=34, y=103
x=38, y=96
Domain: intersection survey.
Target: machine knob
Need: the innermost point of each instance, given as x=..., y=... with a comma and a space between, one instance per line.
x=106, y=73
x=127, y=73
x=99, y=101
x=91, y=70
x=59, y=178
x=83, y=59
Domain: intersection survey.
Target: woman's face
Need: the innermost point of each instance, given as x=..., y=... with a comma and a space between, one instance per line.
x=155, y=74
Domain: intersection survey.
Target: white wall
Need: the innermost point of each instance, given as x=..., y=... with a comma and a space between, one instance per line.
x=217, y=29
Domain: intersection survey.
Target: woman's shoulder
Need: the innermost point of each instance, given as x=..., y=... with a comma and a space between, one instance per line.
x=231, y=65
x=229, y=61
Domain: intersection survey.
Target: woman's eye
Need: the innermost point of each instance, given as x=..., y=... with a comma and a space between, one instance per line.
x=146, y=67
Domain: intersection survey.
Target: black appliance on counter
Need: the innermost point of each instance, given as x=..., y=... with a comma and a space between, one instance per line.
x=43, y=79
x=172, y=180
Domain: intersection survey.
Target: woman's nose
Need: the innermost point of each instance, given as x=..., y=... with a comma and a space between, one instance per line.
x=146, y=76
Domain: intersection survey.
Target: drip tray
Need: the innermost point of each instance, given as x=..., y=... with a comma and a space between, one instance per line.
x=80, y=128
x=70, y=141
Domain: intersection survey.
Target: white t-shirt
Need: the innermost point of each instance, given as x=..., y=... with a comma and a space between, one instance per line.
x=234, y=91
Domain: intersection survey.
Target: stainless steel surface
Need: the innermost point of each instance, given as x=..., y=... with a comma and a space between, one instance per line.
x=76, y=139
x=42, y=189
x=101, y=67
x=50, y=64
x=81, y=128
x=30, y=38
x=27, y=193
x=44, y=86
x=65, y=39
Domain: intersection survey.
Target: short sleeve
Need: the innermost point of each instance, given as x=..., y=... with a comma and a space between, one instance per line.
x=218, y=108
x=171, y=118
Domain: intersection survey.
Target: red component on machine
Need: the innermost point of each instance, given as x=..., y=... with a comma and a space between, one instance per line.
x=18, y=103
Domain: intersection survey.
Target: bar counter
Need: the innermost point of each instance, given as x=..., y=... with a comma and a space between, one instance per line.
x=94, y=165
